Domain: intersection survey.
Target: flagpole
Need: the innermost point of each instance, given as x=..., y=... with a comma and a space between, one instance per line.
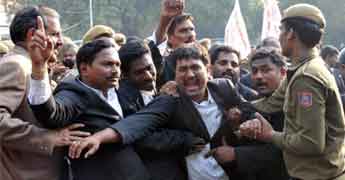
x=91, y=13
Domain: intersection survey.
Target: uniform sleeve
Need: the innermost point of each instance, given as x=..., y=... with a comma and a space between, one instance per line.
x=306, y=116
x=273, y=103
x=16, y=133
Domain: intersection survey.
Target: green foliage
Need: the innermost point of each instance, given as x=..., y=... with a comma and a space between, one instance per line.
x=140, y=17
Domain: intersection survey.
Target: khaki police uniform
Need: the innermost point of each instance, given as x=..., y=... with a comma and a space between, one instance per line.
x=314, y=127
x=97, y=31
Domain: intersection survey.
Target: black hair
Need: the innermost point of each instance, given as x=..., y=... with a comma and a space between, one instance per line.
x=308, y=31
x=188, y=53
x=24, y=20
x=130, y=52
x=328, y=50
x=275, y=56
x=87, y=53
x=178, y=20
x=269, y=42
x=217, y=49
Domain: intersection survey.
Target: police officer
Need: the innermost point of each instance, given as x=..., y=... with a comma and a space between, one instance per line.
x=314, y=129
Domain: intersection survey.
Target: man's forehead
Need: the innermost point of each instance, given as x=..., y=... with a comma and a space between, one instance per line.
x=185, y=24
x=53, y=23
x=111, y=51
x=262, y=62
x=143, y=60
x=187, y=61
x=228, y=56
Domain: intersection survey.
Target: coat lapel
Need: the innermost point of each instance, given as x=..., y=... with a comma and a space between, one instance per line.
x=101, y=103
x=192, y=116
x=225, y=95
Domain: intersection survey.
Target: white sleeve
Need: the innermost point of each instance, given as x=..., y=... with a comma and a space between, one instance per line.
x=162, y=46
x=40, y=91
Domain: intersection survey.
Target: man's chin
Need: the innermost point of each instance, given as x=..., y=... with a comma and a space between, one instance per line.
x=231, y=78
x=193, y=93
x=147, y=88
x=114, y=85
x=265, y=93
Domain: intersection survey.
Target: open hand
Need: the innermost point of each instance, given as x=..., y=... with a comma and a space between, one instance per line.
x=67, y=135
x=90, y=144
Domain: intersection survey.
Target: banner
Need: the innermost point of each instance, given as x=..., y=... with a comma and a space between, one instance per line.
x=236, y=32
x=271, y=19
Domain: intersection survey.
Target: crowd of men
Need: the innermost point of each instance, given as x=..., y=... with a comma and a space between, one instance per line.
x=169, y=107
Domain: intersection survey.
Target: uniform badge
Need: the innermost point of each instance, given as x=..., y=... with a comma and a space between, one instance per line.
x=305, y=99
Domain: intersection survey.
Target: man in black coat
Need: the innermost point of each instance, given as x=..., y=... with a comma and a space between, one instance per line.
x=225, y=62
x=92, y=100
x=137, y=89
x=199, y=109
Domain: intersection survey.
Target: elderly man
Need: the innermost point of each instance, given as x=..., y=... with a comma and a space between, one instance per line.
x=27, y=151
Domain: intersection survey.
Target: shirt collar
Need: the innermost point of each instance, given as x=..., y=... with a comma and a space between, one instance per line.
x=301, y=60
x=209, y=100
x=20, y=50
x=99, y=92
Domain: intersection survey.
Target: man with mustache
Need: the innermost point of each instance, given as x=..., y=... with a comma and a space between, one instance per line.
x=138, y=89
x=53, y=31
x=27, y=150
x=268, y=69
x=199, y=109
x=312, y=140
x=90, y=98
x=225, y=62
x=138, y=83
x=260, y=161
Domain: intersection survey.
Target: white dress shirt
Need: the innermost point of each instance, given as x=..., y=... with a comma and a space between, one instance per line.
x=199, y=167
x=147, y=96
x=40, y=91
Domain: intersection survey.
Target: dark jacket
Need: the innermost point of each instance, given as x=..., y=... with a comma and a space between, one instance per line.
x=248, y=93
x=262, y=161
x=132, y=101
x=75, y=103
x=180, y=113
x=340, y=83
x=159, y=149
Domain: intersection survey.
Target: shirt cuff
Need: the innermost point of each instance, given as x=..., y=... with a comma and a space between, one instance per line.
x=277, y=139
x=125, y=137
x=40, y=91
